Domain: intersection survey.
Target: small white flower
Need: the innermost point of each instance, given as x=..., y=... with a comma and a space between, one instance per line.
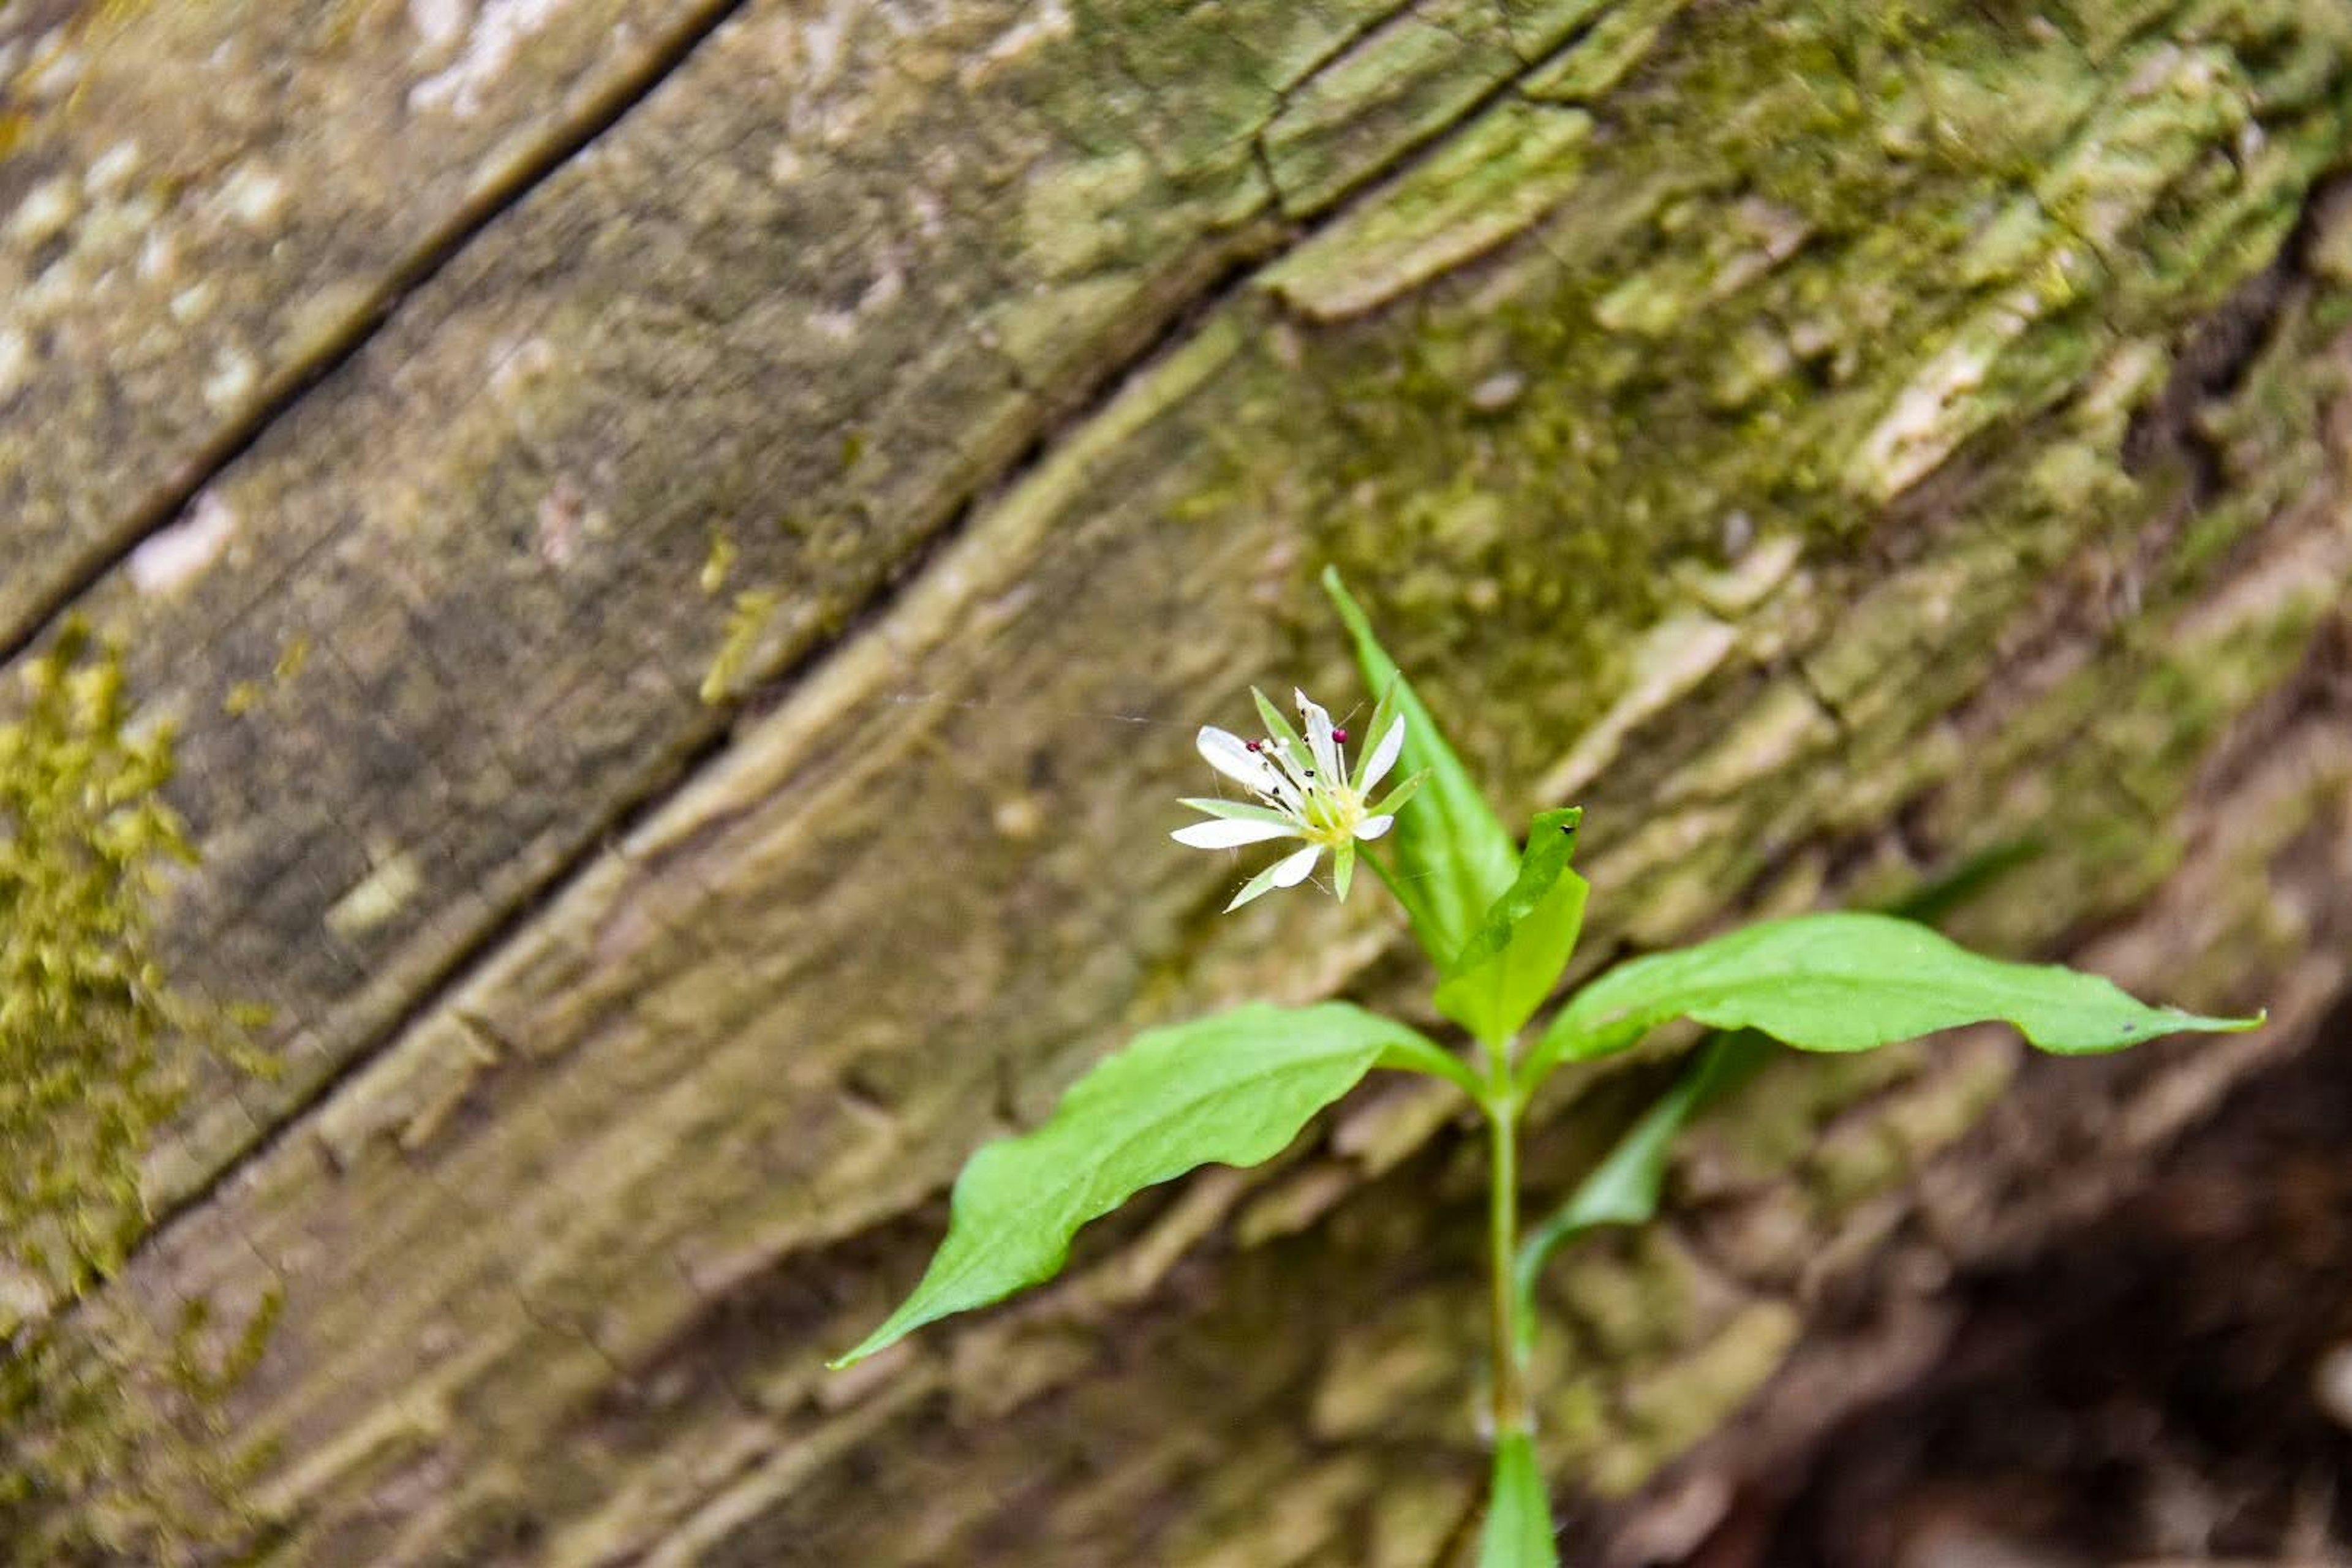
x=1302, y=790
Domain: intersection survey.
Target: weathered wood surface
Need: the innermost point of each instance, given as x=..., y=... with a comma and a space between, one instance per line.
x=209, y=203
x=1826, y=443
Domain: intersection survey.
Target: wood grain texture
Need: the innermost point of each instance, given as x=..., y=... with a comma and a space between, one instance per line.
x=1751, y=423
x=208, y=203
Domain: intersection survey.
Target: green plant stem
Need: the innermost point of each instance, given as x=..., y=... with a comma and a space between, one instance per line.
x=1511, y=1413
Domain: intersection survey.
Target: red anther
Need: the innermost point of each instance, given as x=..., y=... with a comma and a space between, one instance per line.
x=1253, y=746
x=1340, y=736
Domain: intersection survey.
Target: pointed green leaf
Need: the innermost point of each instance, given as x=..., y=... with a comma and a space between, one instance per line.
x=1279, y=726
x=1393, y=802
x=1516, y=955
x=1258, y=887
x=1232, y=1089
x=1452, y=850
x=1850, y=982
x=1623, y=1188
x=1518, y=1511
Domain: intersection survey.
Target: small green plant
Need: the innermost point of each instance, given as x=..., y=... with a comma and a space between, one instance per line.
x=1499, y=922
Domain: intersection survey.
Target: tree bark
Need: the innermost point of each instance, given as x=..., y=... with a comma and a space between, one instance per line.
x=691, y=601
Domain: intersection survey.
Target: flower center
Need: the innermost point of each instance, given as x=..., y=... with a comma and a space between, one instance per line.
x=1326, y=809
x=1331, y=814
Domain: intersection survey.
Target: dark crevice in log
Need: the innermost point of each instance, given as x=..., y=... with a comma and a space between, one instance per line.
x=2216, y=358
x=2159, y=1362
x=1367, y=184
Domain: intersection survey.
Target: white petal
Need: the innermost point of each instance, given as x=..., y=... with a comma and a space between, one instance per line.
x=1384, y=756
x=1318, y=738
x=1374, y=826
x=1223, y=834
x=1230, y=755
x=1293, y=871
x=1240, y=810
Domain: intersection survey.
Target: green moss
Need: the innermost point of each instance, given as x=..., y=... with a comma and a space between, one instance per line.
x=1395, y=87
x=1597, y=62
x=1802, y=257
x=1782, y=1122
x=1636, y=1305
x=2110, y=755
x=112, y=1448
x=748, y=621
x=1671, y=1410
x=1854, y=1164
x=106, y=1451
x=84, y=1082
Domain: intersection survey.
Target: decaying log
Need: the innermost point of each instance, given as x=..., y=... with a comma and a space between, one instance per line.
x=686, y=626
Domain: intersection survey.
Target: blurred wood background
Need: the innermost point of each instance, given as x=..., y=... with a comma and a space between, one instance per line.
x=685, y=545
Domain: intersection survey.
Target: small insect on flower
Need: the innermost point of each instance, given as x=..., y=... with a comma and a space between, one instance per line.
x=1303, y=789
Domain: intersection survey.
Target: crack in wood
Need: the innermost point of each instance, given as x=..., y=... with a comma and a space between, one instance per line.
x=411, y=272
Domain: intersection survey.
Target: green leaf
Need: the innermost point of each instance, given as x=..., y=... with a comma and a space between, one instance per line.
x=1623, y=1188
x=1453, y=856
x=1234, y=1087
x=1516, y=955
x=1850, y=982
x=1393, y=802
x=1518, y=1511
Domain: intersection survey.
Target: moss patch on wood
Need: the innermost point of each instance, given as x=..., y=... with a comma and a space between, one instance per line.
x=84, y=1014
x=107, y=1451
